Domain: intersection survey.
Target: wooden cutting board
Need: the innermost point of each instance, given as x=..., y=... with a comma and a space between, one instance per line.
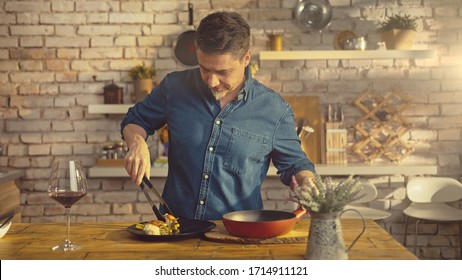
x=308, y=108
x=297, y=235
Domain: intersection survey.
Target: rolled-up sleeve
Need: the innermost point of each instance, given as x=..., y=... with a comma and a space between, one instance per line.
x=150, y=114
x=287, y=155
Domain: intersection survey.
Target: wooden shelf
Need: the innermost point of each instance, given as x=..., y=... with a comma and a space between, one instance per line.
x=323, y=169
x=346, y=54
x=108, y=108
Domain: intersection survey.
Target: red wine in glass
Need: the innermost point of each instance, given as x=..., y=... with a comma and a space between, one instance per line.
x=67, y=198
x=67, y=185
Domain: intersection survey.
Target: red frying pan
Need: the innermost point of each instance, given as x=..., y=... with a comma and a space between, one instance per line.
x=261, y=223
x=184, y=47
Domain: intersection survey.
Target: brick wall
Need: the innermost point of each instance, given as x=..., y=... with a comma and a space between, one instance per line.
x=56, y=57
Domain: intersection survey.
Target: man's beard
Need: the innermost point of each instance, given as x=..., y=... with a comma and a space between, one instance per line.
x=219, y=94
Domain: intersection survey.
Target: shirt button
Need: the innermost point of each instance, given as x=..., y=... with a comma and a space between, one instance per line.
x=206, y=176
x=201, y=202
x=218, y=122
x=211, y=149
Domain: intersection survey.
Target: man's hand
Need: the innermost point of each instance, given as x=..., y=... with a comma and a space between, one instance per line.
x=138, y=159
x=301, y=178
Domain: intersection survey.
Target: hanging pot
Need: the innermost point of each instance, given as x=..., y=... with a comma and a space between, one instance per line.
x=184, y=46
x=313, y=15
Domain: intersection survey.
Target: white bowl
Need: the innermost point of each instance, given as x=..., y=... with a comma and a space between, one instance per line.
x=4, y=229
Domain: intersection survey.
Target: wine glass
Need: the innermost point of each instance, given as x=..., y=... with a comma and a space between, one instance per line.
x=67, y=185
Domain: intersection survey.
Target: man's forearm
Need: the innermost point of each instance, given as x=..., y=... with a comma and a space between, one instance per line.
x=131, y=131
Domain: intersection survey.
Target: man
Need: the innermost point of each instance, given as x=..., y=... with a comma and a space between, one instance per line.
x=224, y=128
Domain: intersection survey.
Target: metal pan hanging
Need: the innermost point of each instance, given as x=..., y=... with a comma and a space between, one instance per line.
x=313, y=15
x=184, y=47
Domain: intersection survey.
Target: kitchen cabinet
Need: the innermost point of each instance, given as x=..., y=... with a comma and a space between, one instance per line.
x=346, y=54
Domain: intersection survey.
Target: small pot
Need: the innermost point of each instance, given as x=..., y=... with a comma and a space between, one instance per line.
x=261, y=223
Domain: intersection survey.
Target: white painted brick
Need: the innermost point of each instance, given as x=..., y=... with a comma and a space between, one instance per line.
x=16, y=150
x=4, y=54
x=150, y=41
x=109, y=30
x=165, y=29
x=96, y=125
x=451, y=109
x=10, y=114
x=100, y=53
x=292, y=87
x=62, y=6
x=19, y=162
x=166, y=18
x=134, y=53
x=51, y=89
x=92, y=209
x=97, y=18
x=131, y=6
x=97, y=137
x=62, y=18
x=30, y=101
x=61, y=149
x=66, y=77
x=125, y=41
x=62, y=126
x=449, y=134
x=448, y=159
x=385, y=74
x=93, y=6
x=28, y=114
x=29, y=126
x=21, y=30
x=76, y=113
x=328, y=74
x=65, y=31
x=100, y=41
x=31, y=138
x=451, y=85
x=63, y=137
x=112, y=185
x=7, y=19
x=39, y=149
x=31, y=41
x=9, y=42
x=306, y=74
x=118, y=18
x=68, y=42
x=68, y=53
x=78, y=88
x=32, y=77
x=28, y=18
x=286, y=74
x=162, y=6
x=27, y=6
x=7, y=66
x=84, y=149
x=29, y=89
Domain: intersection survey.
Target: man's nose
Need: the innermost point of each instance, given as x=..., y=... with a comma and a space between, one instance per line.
x=213, y=81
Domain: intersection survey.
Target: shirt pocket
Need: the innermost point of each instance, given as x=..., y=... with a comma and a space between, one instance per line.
x=245, y=150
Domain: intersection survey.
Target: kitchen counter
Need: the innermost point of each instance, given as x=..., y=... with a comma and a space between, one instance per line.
x=111, y=241
x=323, y=169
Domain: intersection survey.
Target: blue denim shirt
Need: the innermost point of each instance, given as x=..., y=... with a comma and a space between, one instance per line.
x=218, y=158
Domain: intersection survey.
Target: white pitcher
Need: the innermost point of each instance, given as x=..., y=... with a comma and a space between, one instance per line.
x=325, y=239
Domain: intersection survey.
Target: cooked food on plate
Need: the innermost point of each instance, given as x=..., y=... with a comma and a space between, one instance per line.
x=157, y=227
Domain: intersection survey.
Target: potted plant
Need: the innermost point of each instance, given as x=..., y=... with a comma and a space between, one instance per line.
x=398, y=32
x=142, y=80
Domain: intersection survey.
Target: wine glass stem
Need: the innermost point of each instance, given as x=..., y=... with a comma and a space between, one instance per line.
x=68, y=216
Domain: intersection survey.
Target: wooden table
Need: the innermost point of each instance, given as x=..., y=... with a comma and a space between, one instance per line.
x=111, y=241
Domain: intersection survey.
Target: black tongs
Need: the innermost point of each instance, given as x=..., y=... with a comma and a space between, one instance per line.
x=159, y=215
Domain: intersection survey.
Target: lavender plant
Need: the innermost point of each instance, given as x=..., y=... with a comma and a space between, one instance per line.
x=324, y=196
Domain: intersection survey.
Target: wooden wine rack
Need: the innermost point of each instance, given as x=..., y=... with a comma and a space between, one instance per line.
x=382, y=126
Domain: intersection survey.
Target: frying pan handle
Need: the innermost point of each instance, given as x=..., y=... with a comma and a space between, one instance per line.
x=190, y=13
x=299, y=212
